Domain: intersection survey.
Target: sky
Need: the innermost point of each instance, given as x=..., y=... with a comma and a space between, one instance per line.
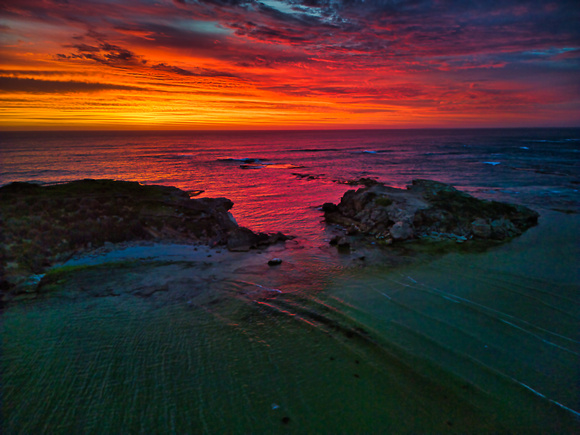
x=249, y=64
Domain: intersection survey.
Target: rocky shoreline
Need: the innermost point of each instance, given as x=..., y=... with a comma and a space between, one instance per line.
x=47, y=225
x=424, y=210
x=44, y=225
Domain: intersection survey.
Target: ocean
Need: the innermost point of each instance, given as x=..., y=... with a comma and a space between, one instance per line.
x=448, y=339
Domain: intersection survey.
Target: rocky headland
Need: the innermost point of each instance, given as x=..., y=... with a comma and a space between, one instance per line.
x=47, y=225
x=424, y=210
x=44, y=225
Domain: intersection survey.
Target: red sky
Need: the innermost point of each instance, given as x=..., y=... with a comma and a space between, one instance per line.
x=185, y=64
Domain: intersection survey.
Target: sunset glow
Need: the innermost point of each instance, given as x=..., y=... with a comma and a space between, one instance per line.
x=217, y=64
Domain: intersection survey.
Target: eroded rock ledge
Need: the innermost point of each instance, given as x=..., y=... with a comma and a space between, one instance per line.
x=42, y=225
x=426, y=209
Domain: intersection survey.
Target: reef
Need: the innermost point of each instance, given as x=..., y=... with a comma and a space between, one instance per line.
x=44, y=225
x=426, y=209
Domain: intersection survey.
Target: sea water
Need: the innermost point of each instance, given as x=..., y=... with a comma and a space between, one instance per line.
x=456, y=340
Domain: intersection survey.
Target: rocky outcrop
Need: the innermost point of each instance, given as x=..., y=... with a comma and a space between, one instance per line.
x=242, y=239
x=426, y=209
x=42, y=225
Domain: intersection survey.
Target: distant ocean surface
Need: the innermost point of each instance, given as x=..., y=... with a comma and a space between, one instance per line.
x=538, y=168
x=497, y=327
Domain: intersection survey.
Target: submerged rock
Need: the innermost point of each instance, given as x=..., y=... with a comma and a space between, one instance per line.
x=274, y=262
x=425, y=208
x=242, y=239
x=42, y=225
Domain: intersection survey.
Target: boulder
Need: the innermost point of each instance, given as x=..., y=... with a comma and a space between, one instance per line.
x=241, y=240
x=424, y=208
x=481, y=229
x=401, y=231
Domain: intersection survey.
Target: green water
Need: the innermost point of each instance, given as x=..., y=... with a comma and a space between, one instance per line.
x=464, y=342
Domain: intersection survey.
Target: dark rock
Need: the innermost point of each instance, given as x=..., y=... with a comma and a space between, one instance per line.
x=481, y=229
x=503, y=229
x=44, y=224
x=252, y=166
x=308, y=177
x=265, y=239
x=329, y=207
x=364, y=181
x=274, y=261
x=242, y=239
x=425, y=208
x=401, y=231
x=341, y=242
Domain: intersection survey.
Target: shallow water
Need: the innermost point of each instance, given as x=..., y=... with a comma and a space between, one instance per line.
x=464, y=342
x=453, y=339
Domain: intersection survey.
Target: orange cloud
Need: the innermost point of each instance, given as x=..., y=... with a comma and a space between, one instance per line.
x=294, y=63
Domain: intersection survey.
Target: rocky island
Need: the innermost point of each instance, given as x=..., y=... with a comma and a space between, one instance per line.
x=44, y=225
x=425, y=209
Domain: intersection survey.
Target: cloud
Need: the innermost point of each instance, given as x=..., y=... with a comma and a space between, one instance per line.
x=20, y=72
x=35, y=86
x=352, y=91
x=115, y=56
x=105, y=53
x=416, y=52
x=199, y=72
x=328, y=29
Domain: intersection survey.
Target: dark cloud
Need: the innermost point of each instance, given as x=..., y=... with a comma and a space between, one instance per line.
x=162, y=35
x=272, y=35
x=116, y=56
x=199, y=72
x=353, y=91
x=105, y=53
x=18, y=73
x=35, y=86
x=84, y=48
x=327, y=28
x=114, y=53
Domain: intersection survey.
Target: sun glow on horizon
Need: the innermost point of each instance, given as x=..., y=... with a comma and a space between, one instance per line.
x=281, y=64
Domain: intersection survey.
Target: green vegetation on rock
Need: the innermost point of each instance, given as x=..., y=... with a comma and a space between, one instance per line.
x=42, y=225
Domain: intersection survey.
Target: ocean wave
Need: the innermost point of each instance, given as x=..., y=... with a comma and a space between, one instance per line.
x=270, y=165
x=372, y=152
x=554, y=140
x=313, y=150
x=180, y=156
x=243, y=159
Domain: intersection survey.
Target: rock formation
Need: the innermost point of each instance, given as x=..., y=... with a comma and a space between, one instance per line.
x=42, y=225
x=426, y=209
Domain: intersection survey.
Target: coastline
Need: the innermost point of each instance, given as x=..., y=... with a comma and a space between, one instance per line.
x=323, y=330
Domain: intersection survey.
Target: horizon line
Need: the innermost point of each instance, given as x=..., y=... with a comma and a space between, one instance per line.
x=123, y=130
